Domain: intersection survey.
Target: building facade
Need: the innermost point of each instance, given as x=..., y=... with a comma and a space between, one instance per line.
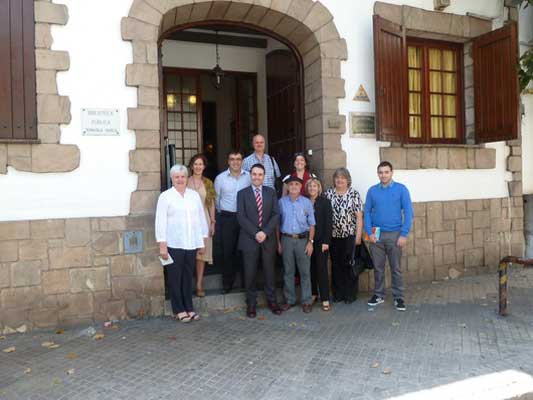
x=96, y=96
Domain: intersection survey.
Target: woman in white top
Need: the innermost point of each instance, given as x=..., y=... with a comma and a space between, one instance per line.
x=180, y=230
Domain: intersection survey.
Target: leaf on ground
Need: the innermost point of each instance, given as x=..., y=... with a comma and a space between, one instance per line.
x=47, y=344
x=375, y=365
x=293, y=324
x=71, y=371
x=72, y=356
x=60, y=331
x=98, y=336
x=2, y=338
x=54, y=346
x=9, y=349
x=395, y=323
x=242, y=318
x=22, y=329
x=261, y=318
x=387, y=371
x=27, y=371
x=57, y=382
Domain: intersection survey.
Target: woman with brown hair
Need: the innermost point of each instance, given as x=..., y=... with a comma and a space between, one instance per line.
x=206, y=190
x=300, y=169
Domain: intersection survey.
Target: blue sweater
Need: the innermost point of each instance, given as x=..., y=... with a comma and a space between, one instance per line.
x=384, y=206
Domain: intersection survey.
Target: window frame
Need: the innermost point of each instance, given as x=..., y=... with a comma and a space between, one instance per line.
x=457, y=48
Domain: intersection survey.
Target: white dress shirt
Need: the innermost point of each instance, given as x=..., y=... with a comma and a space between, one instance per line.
x=180, y=220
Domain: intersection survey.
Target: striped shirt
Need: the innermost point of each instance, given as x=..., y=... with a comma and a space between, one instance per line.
x=271, y=167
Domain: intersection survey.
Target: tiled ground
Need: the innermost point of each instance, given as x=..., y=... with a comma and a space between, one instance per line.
x=448, y=343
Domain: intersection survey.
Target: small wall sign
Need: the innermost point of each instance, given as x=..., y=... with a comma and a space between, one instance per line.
x=100, y=122
x=362, y=124
x=361, y=94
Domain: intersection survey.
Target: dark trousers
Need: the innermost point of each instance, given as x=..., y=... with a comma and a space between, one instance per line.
x=179, y=279
x=265, y=252
x=344, y=284
x=319, y=273
x=226, y=235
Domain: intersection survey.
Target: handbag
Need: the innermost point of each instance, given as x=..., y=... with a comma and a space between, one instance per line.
x=360, y=260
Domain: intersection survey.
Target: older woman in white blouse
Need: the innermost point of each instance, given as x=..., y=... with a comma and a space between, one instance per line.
x=180, y=230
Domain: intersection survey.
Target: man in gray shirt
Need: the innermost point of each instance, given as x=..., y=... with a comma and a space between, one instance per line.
x=227, y=184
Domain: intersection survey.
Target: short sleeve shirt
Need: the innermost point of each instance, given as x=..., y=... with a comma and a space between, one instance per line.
x=344, y=207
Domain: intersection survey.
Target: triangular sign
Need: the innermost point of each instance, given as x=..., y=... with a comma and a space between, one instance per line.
x=361, y=94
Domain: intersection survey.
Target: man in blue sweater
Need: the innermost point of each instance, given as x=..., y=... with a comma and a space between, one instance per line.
x=388, y=217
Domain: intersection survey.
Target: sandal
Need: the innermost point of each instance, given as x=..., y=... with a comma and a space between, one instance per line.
x=193, y=316
x=326, y=306
x=200, y=293
x=184, y=318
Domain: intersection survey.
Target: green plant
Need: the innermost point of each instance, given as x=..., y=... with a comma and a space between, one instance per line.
x=525, y=63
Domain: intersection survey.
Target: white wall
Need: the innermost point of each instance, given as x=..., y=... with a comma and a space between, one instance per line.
x=354, y=22
x=102, y=184
x=526, y=41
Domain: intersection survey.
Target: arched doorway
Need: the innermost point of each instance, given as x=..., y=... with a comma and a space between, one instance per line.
x=305, y=26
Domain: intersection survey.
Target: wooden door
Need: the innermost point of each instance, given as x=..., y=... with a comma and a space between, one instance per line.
x=284, y=105
x=245, y=112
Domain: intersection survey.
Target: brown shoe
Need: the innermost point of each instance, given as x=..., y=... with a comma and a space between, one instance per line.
x=285, y=307
x=275, y=308
x=307, y=308
x=200, y=293
x=250, y=312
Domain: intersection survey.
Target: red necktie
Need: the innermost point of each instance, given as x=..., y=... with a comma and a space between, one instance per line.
x=259, y=203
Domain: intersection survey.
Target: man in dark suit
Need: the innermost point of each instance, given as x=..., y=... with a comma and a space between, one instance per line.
x=258, y=216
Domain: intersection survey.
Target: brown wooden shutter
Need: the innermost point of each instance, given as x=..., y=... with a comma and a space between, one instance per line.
x=18, y=111
x=390, y=68
x=496, y=91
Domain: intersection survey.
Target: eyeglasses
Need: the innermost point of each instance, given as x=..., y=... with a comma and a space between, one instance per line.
x=235, y=159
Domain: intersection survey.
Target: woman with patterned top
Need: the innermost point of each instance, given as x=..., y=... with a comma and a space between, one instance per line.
x=347, y=232
x=205, y=188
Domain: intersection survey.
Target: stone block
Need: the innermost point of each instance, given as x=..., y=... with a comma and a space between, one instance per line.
x=50, y=13
x=106, y=243
x=75, y=305
x=145, y=160
x=46, y=81
x=463, y=242
x=157, y=306
x=334, y=49
x=397, y=156
x=485, y=158
x=44, y=317
x=438, y=255
x=457, y=158
x=434, y=216
x=481, y=219
x=48, y=229
x=69, y=257
x=514, y=163
x=478, y=237
x=143, y=118
x=55, y=281
x=143, y=12
x=143, y=202
x=317, y=17
x=495, y=208
x=14, y=317
x=127, y=287
x=517, y=224
x=89, y=279
x=133, y=29
x=413, y=158
x=8, y=251
x=25, y=273
x=442, y=158
x=474, y=258
x=53, y=109
x=471, y=158
x=43, y=36
x=123, y=265
x=139, y=52
x=428, y=157
x=515, y=188
x=440, y=238
x=108, y=224
x=3, y=159
x=20, y=297
x=77, y=232
x=491, y=254
x=149, y=265
x=48, y=133
x=419, y=209
x=154, y=286
x=142, y=75
x=112, y=310
x=474, y=205
x=454, y=209
x=500, y=225
x=463, y=226
x=140, y=222
x=33, y=249
x=52, y=59
x=148, y=96
x=14, y=230
x=423, y=247
x=149, y=181
x=419, y=227
x=55, y=157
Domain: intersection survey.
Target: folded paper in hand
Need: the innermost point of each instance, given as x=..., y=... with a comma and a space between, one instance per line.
x=164, y=262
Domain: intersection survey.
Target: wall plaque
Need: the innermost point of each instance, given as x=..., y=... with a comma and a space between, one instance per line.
x=100, y=122
x=362, y=124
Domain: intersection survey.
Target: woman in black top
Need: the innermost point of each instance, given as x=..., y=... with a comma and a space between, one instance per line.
x=319, y=258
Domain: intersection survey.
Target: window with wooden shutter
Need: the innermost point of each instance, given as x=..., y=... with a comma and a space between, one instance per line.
x=18, y=110
x=496, y=91
x=390, y=69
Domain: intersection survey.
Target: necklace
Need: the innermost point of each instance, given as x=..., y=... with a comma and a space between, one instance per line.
x=196, y=187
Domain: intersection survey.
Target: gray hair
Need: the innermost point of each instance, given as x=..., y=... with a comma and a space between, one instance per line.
x=344, y=173
x=177, y=169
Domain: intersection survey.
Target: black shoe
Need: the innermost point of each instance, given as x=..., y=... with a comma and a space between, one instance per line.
x=250, y=312
x=337, y=299
x=375, y=300
x=350, y=301
x=399, y=304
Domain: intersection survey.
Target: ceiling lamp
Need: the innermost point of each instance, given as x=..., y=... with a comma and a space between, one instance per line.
x=216, y=73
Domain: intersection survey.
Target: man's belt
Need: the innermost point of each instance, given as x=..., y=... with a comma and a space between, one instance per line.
x=304, y=235
x=229, y=213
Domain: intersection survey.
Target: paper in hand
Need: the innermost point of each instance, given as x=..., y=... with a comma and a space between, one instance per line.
x=168, y=261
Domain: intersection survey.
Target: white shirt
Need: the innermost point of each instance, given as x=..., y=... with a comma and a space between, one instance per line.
x=180, y=220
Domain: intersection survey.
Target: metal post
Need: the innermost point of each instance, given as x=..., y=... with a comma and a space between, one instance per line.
x=502, y=273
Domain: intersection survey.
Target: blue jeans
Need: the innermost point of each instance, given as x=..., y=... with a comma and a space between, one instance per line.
x=293, y=254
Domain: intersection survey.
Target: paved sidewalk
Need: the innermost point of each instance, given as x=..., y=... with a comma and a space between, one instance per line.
x=449, y=344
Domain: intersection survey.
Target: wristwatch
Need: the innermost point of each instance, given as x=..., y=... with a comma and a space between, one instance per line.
x=312, y=241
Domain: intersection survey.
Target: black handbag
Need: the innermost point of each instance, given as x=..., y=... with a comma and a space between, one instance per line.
x=360, y=260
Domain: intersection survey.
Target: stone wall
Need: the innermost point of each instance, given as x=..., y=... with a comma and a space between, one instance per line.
x=450, y=239
x=66, y=272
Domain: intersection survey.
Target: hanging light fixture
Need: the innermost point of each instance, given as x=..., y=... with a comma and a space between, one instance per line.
x=217, y=73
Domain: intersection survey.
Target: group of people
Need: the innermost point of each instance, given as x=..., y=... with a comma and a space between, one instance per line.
x=242, y=211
